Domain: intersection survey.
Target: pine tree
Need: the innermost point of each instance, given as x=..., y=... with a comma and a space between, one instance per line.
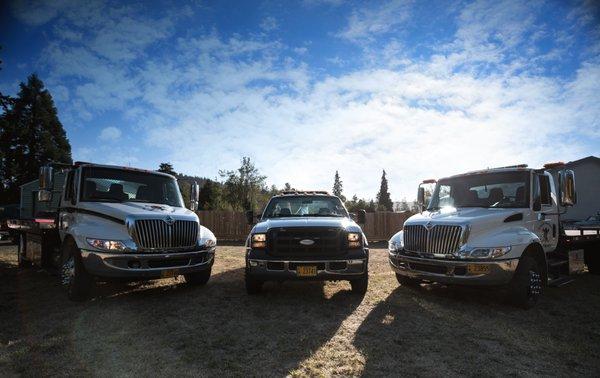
x=338, y=187
x=167, y=168
x=31, y=135
x=384, y=202
x=209, y=196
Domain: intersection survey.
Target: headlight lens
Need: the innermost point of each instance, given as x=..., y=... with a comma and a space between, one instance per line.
x=395, y=245
x=484, y=253
x=209, y=243
x=259, y=240
x=107, y=245
x=353, y=240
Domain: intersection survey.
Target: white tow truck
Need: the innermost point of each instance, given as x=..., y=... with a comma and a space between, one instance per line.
x=112, y=222
x=497, y=227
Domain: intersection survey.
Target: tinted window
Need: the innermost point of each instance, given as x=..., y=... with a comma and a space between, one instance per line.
x=305, y=206
x=501, y=189
x=115, y=185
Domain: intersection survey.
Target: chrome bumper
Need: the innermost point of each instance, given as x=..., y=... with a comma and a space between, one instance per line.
x=148, y=265
x=453, y=272
x=326, y=269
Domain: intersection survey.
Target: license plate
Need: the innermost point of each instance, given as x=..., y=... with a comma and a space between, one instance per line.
x=306, y=270
x=170, y=273
x=478, y=269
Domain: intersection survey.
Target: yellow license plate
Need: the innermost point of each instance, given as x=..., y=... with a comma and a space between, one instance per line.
x=478, y=269
x=306, y=270
x=170, y=273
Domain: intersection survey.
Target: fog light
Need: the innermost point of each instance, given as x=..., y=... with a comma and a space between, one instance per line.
x=355, y=262
x=253, y=263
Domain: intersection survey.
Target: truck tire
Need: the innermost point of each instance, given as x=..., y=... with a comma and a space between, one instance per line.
x=592, y=259
x=360, y=285
x=75, y=279
x=253, y=286
x=21, y=247
x=198, y=278
x=526, y=286
x=408, y=281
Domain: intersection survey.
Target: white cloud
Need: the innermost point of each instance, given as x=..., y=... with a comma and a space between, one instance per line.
x=364, y=23
x=109, y=134
x=269, y=24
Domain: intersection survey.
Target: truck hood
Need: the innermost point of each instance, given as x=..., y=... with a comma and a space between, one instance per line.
x=462, y=216
x=121, y=210
x=487, y=226
x=345, y=223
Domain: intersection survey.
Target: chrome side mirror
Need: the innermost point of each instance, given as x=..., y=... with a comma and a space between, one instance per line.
x=566, y=184
x=421, y=197
x=194, y=196
x=46, y=184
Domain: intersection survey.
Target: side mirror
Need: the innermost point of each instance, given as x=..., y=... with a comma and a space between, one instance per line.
x=361, y=216
x=566, y=184
x=250, y=217
x=421, y=197
x=194, y=196
x=46, y=184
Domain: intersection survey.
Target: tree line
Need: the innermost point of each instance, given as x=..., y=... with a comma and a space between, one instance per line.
x=31, y=135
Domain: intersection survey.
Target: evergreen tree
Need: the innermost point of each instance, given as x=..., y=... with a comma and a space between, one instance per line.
x=338, y=187
x=242, y=187
x=209, y=197
x=384, y=202
x=31, y=135
x=167, y=168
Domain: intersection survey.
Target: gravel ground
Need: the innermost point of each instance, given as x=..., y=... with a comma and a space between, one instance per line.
x=164, y=327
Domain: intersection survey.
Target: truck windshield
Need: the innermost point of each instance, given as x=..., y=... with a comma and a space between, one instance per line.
x=117, y=185
x=305, y=206
x=491, y=190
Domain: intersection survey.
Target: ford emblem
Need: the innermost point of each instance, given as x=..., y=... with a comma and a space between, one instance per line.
x=169, y=220
x=307, y=242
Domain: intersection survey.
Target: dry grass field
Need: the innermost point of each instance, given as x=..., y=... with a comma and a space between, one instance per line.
x=298, y=329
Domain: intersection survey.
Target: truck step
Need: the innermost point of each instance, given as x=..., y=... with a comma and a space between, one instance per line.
x=557, y=263
x=560, y=281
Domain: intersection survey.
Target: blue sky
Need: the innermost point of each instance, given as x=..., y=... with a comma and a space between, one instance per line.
x=420, y=89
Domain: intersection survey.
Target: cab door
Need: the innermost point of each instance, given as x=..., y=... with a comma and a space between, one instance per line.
x=68, y=201
x=545, y=209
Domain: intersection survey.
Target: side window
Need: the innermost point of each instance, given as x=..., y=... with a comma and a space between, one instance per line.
x=445, y=196
x=69, y=188
x=545, y=197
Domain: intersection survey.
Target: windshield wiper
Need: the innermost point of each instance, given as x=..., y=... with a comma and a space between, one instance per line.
x=136, y=200
x=323, y=215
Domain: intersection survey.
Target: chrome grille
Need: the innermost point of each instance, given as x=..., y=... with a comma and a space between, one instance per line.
x=156, y=234
x=440, y=239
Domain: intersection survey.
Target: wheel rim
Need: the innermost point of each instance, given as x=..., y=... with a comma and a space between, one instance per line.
x=535, y=285
x=68, y=272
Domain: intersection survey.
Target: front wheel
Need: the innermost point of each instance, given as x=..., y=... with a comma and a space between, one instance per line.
x=253, y=286
x=75, y=279
x=22, y=245
x=526, y=286
x=592, y=260
x=198, y=278
x=359, y=286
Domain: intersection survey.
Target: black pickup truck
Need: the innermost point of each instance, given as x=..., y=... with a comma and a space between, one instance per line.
x=306, y=236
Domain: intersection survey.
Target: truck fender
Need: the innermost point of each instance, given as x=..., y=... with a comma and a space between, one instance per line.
x=536, y=251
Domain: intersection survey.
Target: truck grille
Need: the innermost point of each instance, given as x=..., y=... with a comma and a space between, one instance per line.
x=328, y=241
x=440, y=239
x=156, y=234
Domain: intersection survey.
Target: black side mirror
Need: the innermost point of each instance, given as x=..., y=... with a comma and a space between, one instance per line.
x=361, y=216
x=250, y=217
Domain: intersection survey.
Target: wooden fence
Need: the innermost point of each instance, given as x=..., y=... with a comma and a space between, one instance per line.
x=231, y=225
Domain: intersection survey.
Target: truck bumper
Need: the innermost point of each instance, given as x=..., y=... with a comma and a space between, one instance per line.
x=454, y=272
x=146, y=266
x=347, y=267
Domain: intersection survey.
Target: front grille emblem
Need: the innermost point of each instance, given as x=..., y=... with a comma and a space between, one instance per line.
x=169, y=220
x=307, y=242
x=429, y=225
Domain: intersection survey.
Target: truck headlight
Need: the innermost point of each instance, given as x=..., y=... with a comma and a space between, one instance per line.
x=353, y=240
x=484, y=253
x=208, y=243
x=107, y=245
x=259, y=240
x=395, y=246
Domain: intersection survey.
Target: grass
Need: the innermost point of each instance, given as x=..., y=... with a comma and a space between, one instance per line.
x=164, y=327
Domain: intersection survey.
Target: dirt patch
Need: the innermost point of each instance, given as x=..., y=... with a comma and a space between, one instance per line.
x=164, y=327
